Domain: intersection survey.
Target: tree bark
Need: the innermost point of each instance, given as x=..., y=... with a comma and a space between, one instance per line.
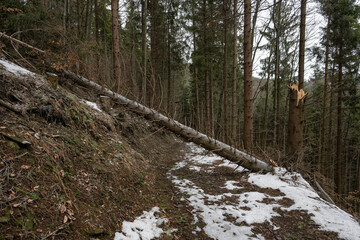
x=302, y=44
x=206, y=71
x=154, y=48
x=339, y=126
x=248, y=116
x=116, y=44
x=134, y=85
x=79, y=11
x=295, y=133
x=242, y=158
x=234, y=85
x=276, y=106
x=97, y=24
x=266, y=101
x=225, y=74
x=143, y=50
x=324, y=113
x=330, y=142
x=295, y=125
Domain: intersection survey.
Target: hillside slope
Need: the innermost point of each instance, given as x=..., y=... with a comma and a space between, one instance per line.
x=71, y=168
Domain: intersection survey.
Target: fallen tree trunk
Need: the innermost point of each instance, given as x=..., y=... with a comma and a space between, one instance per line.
x=243, y=159
x=222, y=149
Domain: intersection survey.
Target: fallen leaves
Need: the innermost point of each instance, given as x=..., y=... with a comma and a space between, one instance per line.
x=25, y=167
x=65, y=208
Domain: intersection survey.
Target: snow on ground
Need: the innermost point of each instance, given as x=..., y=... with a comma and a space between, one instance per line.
x=328, y=216
x=15, y=69
x=197, y=156
x=145, y=227
x=91, y=104
x=229, y=185
x=225, y=219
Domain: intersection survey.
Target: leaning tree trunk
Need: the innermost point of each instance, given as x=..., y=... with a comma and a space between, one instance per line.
x=222, y=149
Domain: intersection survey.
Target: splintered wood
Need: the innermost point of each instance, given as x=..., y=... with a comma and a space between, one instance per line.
x=301, y=95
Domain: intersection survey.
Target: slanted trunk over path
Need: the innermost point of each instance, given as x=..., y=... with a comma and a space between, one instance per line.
x=222, y=149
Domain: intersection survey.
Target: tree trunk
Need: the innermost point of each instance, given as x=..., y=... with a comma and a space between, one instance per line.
x=339, y=126
x=322, y=165
x=154, y=48
x=116, y=44
x=297, y=95
x=302, y=44
x=234, y=85
x=248, y=118
x=225, y=74
x=143, y=50
x=277, y=22
x=330, y=154
x=134, y=85
x=211, y=81
x=266, y=100
x=295, y=133
x=206, y=71
x=97, y=24
x=87, y=14
x=169, y=85
x=254, y=20
x=79, y=17
x=243, y=159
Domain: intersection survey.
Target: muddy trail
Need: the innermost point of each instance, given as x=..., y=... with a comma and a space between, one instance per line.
x=73, y=167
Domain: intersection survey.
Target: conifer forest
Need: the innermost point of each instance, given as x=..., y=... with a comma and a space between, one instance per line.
x=276, y=78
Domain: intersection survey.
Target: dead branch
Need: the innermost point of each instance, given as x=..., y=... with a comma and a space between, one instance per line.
x=11, y=107
x=323, y=193
x=61, y=227
x=3, y=35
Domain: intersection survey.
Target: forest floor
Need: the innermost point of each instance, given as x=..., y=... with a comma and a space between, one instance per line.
x=87, y=173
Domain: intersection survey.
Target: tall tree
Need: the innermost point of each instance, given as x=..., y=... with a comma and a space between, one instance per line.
x=276, y=106
x=116, y=44
x=234, y=80
x=143, y=50
x=297, y=95
x=324, y=108
x=206, y=69
x=225, y=73
x=248, y=116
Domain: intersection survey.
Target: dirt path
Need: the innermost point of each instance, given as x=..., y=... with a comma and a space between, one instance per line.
x=207, y=197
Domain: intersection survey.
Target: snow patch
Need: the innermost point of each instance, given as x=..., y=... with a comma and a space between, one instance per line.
x=229, y=185
x=217, y=214
x=91, y=104
x=328, y=216
x=16, y=69
x=145, y=227
x=195, y=168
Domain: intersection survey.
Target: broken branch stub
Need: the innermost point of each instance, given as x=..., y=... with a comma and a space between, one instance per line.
x=301, y=95
x=243, y=159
